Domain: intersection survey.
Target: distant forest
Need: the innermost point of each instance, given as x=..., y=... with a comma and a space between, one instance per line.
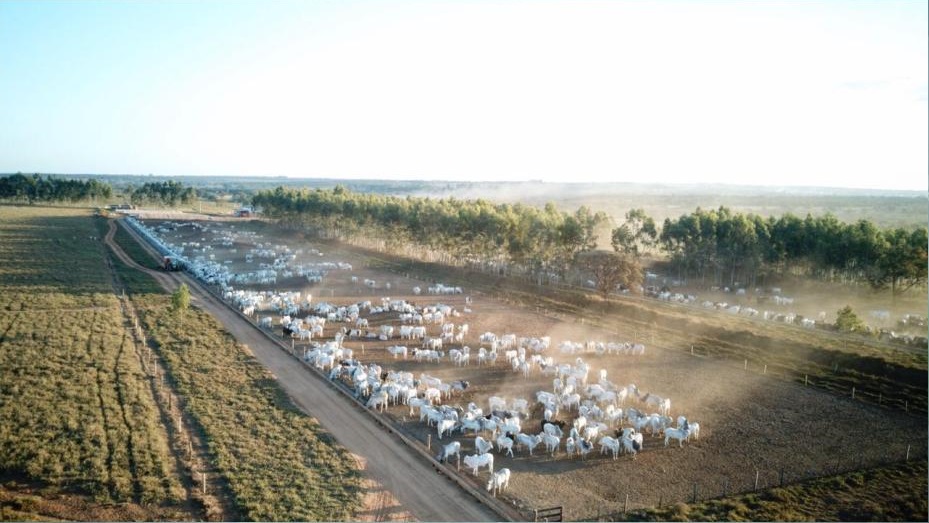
x=47, y=189
x=713, y=246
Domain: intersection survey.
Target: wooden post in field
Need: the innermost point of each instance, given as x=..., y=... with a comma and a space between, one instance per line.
x=745, y=365
x=765, y=371
x=906, y=406
x=429, y=441
x=691, y=350
x=203, y=477
x=626, y=505
x=757, y=472
x=362, y=349
x=907, y=453
x=853, y=392
x=806, y=379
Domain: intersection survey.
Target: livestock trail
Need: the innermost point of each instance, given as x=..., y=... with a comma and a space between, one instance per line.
x=391, y=464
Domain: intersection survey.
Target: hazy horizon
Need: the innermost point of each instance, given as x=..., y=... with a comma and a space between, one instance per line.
x=779, y=94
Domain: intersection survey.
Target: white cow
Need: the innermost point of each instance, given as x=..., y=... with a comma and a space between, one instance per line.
x=499, y=481
x=476, y=461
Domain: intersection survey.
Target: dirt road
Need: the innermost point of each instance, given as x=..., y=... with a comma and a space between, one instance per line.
x=422, y=493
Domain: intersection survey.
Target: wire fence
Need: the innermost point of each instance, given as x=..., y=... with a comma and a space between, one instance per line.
x=756, y=479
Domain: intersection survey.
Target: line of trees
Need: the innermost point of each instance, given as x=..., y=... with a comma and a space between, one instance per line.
x=715, y=247
x=169, y=193
x=725, y=248
x=47, y=189
x=498, y=236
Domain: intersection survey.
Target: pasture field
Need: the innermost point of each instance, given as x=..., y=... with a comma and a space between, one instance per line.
x=756, y=422
x=277, y=463
x=856, y=496
x=80, y=430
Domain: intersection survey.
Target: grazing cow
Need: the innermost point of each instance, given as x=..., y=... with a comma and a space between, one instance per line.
x=452, y=449
x=679, y=434
x=611, y=444
x=505, y=443
x=499, y=481
x=476, y=461
x=551, y=442
x=378, y=401
x=482, y=446
x=529, y=441
x=445, y=426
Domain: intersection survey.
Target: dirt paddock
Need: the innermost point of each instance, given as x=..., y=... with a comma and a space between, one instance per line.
x=750, y=423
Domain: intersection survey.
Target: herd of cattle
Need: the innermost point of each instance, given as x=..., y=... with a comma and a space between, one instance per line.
x=571, y=414
x=575, y=414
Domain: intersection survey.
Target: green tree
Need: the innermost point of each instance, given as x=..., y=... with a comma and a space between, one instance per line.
x=637, y=235
x=903, y=263
x=180, y=300
x=847, y=321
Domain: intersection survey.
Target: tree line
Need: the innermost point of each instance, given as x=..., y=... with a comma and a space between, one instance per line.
x=501, y=236
x=714, y=247
x=41, y=189
x=169, y=193
x=725, y=248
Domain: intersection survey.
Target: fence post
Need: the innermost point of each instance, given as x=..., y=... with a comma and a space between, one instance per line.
x=691, y=350
x=906, y=406
x=626, y=504
x=745, y=365
x=907, y=453
x=853, y=392
x=806, y=379
x=429, y=441
x=757, y=473
x=765, y=371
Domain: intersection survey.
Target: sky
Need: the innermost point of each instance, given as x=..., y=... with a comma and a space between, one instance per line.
x=811, y=93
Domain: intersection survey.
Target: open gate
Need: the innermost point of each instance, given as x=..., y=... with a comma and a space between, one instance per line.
x=550, y=514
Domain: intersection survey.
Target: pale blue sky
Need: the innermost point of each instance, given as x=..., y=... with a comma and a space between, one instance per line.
x=784, y=93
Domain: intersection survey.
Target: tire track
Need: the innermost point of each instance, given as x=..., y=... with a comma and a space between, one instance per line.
x=130, y=443
x=219, y=505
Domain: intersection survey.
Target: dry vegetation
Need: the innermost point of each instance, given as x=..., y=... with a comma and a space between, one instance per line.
x=81, y=434
x=856, y=496
x=79, y=420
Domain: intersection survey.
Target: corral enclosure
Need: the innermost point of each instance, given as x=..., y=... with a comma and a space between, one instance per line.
x=754, y=428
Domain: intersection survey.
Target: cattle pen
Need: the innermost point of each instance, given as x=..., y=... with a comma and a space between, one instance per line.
x=737, y=410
